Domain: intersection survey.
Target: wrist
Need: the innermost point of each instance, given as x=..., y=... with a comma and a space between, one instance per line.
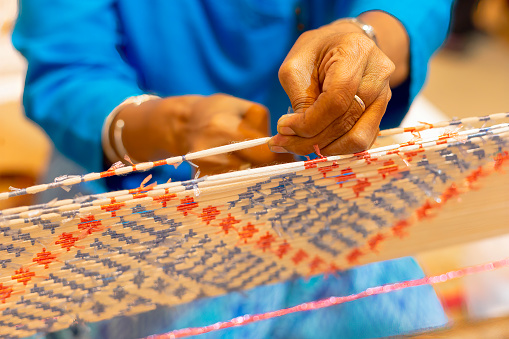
x=393, y=40
x=357, y=25
x=111, y=138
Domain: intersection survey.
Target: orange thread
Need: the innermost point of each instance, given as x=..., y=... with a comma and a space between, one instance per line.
x=186, y=205
x=282, y=249
x=247, y=232
x=314, y=265
x=44, y=258
x=354, y=255
x=375, y=241
x=265, y=241
x=5, y=292
x=165, y=198
x=299, y=256
x=23, y=275
x=227, y=223
x=209, y=213
x=398, y=228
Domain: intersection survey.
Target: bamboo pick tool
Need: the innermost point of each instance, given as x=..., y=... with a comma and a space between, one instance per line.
x=124, y=252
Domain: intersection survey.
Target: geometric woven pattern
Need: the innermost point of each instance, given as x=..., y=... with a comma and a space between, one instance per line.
x=97, y=257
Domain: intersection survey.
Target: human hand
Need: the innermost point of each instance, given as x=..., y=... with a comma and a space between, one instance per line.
x=322, y=73
x=178, y=125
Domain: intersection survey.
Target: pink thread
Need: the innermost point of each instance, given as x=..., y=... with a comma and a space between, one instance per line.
x=331, y=301
x=317, y=151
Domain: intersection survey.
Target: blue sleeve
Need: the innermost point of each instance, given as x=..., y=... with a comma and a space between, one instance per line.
x=76, y=74
x=427, y=24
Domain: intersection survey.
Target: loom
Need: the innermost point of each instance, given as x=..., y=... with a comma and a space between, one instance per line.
x=121, y=253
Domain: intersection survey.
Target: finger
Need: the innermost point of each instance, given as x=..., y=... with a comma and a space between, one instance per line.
x=303, y=146
x=362, y=136
x=339, y=127
x=219, y=134
x=257, y=117
x=362, y=70
x=339, y=75
x=258, y=155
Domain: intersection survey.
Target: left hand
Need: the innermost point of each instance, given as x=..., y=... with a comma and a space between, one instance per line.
x=323, y=72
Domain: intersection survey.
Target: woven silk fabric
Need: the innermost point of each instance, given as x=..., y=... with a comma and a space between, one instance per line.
x=121, y=253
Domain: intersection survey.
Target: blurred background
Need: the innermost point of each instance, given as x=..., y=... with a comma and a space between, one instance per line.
x=468, y=77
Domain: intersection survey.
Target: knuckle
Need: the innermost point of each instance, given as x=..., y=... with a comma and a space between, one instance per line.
x=219, y=96
x=387, y=67
x=287, y=71
x=349, y=120
x=302, y=103
x=345, y=123
x=260, y=109
x=360, y=42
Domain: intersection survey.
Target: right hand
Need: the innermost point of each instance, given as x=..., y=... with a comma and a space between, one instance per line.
x=171, y=126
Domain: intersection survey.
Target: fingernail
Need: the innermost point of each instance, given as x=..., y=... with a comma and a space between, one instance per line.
x=284, y=117
x=278, y=149
x=286, y=131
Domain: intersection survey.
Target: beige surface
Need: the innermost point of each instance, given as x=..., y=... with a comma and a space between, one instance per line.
x=24, y=147
x=480, y=214
x=473, y=83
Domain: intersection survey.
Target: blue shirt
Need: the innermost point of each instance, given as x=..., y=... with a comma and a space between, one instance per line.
x=85, y=57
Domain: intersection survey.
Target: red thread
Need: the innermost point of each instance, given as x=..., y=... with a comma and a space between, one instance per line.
x=325, y=169
x=315, y=264
x=265, y=241
x=387, y=168
x=313, y=163
x=500, y=158
x=346, y=174
x=209, y=213
x=317, y=151
x=366, y=156
x=247, y=232
x=299, y=256
x=44, y=258
x=66, y=240
x=354, y=255
x=282, y=249
x=411, y=154
x=375, y=241
x=89, y=225
x=360, y=186
x=159, y=163
x=398, y=228
x=165, y=198
x=449, y=193
x=23, y=275
x=113, y=208
x=186, y=205
x=138, y=196
x=423, y=211
x=5, y=292
x=107, y=173
x=472, y=178
x=227, y=223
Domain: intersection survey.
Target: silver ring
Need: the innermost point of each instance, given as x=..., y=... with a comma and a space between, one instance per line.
x=360, y=102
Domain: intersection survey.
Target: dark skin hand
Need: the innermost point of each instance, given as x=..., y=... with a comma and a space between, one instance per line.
x=178, y=125
x=323, y=72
